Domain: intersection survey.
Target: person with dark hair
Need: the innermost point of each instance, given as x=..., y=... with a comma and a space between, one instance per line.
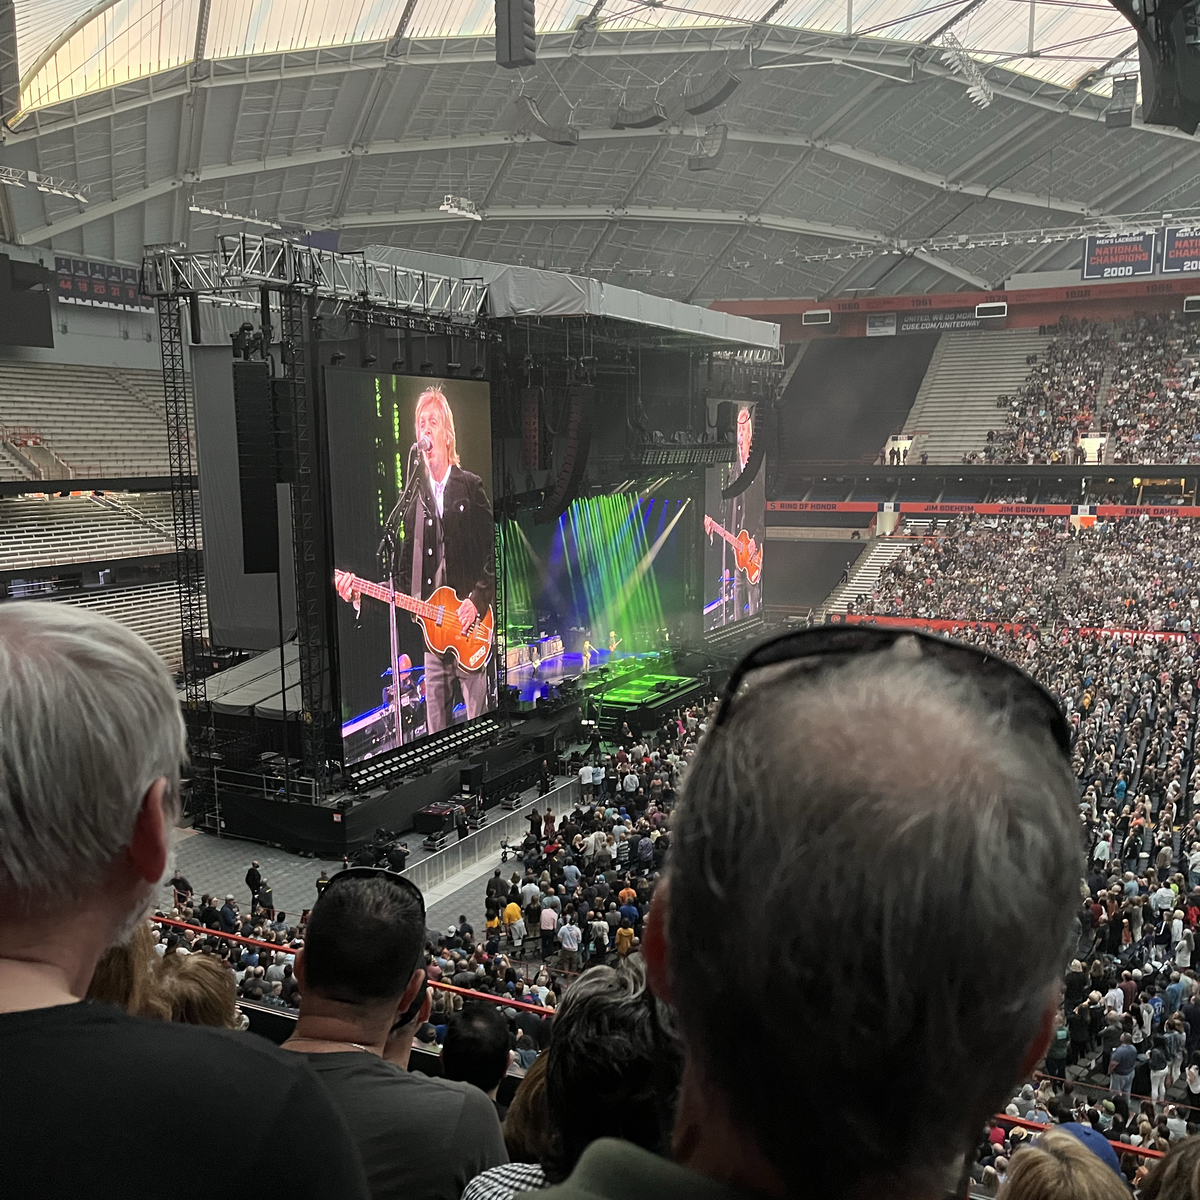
x=476, y=1049
x=964, y=806
x=612, y=1049
x=360, y=972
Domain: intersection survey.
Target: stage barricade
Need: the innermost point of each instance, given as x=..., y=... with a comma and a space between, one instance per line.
x=484, y=843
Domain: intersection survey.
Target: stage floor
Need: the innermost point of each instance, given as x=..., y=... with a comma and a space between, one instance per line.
x=533, y=686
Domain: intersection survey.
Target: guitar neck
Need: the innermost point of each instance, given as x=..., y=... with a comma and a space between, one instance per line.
x=408, y=603
x=724, y=533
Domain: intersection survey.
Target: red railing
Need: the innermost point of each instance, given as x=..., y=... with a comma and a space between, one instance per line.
x=1119, y=1147
x=277, y=948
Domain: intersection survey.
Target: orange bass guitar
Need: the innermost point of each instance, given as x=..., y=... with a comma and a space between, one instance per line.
x=747, y=553
x=437, y=616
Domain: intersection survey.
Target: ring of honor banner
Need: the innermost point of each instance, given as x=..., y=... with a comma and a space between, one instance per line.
x=99, y=284
x=916, y=508
x=1119, y=256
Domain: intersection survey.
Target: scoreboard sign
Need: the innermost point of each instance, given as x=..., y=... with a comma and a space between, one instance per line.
x=1181, y=250
x=103, y=285
x=1119, y=256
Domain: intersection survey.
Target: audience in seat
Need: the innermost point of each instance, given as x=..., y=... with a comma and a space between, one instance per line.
x=614, y=1050
x=476, y=1049
x=360, y=972
x=91, y=746
x=1071, y=1163
x=898, y=871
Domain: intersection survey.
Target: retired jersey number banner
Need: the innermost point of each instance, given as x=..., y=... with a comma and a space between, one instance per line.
x=1119, y=256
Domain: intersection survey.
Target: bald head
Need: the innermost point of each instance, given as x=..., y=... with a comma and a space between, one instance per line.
x=902, y=834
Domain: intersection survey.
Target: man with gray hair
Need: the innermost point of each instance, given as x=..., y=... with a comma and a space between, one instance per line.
x=901, y=809
x=91, y=747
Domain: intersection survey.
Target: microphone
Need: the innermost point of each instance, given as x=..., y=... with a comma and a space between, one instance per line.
x=424, y=444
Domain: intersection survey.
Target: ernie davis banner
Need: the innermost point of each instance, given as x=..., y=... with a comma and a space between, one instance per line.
x=1119, y=256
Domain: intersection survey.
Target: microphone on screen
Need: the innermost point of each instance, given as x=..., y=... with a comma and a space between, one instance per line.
x=424, y=444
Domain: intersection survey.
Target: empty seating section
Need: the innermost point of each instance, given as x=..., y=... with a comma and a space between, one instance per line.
x=956, y=404
x=152, y=611
x=100, y=421
x=59, y=531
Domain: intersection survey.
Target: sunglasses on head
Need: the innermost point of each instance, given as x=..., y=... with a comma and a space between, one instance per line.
x=405, y=885
x=812, y=650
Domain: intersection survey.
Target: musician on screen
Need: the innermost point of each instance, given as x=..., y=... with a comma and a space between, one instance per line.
x=741, y=516
x=447, y=543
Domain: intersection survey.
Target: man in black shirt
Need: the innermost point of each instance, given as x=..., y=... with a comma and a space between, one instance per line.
x=253, y=882
x=359, y=973
x=91, y=745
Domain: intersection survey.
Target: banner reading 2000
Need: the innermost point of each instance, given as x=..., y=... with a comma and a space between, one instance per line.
x=410, y=463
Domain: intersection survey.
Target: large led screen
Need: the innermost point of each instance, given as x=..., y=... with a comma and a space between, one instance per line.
x=733, y=529
x=410, y=461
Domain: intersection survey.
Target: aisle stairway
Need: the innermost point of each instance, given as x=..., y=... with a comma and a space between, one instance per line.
x=864, y=575
x=956, y=404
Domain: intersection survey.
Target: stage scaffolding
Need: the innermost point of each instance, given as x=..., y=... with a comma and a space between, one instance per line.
x=307, y=284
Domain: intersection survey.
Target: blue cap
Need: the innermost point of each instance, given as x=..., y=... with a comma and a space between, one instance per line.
x=1096, y=1142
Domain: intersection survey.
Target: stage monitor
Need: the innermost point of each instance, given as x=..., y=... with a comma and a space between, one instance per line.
x=410, y=463
x=734, y=530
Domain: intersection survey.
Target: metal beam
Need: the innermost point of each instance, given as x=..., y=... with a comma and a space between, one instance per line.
x=586, y=212
x=284, y=162
x=434, y=53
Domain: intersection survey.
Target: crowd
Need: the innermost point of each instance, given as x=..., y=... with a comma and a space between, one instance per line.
x=914, y=891
x=1058, y=399
x=1153, y=406
x=1150, y=408
x=1120, y=573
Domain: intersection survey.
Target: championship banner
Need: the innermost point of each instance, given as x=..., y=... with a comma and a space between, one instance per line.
x=1119, y=256
x=1181, y=250
x=915, y=508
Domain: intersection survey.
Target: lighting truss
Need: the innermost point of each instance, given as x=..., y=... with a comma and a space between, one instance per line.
x=226, y=215
x=242, y=263
x=962, y=64
x=460, y=206
x=705, y=454
x=374, y=772
x=15, y=177
x=1100, y=227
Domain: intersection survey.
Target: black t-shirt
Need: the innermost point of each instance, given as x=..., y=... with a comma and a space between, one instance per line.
x=83, y=1086
x=419, y=1138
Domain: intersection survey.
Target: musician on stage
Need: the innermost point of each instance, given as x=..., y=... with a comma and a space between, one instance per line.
x=447, y=530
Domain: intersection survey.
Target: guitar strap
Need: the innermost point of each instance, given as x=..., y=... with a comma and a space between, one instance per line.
x=418, y=548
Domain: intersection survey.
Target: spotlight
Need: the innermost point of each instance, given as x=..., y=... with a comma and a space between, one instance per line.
x=477, y=371
x=370, y=360
x=397, y=365
x=337, y=358
x=427, y=368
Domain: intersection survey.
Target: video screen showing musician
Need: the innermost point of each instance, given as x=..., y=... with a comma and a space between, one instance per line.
x=420, y=605
x=734, y=528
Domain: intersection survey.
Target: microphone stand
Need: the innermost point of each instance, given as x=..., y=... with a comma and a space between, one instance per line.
x=387, y=555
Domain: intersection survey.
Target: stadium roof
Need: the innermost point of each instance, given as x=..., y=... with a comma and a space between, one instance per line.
x=363, y=116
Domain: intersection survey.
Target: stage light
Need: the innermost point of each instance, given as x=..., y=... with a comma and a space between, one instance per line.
x=397, y=365
x=460, y=206
x=369, y=360
x=337, y=358
x=427, y=368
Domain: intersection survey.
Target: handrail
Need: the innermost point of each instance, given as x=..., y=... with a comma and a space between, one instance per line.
x=277, y=948
x=1119, y=1147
